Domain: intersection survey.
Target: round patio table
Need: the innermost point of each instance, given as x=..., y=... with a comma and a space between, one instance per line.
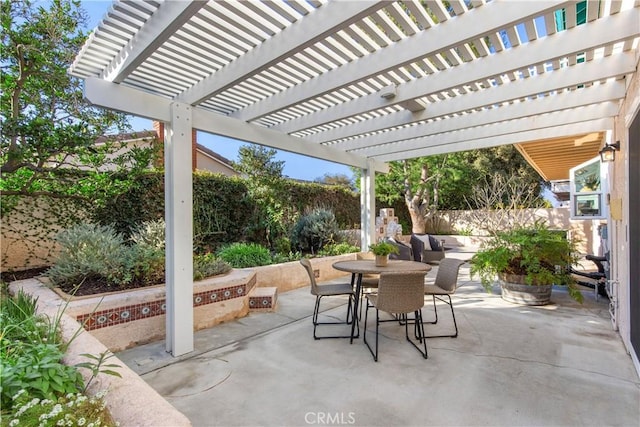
x=368, y=266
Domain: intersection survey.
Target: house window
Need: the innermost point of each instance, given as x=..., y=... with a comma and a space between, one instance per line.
x=588, y=184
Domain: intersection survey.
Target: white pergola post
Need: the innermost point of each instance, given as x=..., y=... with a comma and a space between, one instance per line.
x=179, y=231
x=367, y=206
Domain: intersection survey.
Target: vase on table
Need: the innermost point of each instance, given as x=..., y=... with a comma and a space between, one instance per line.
x=381, y=260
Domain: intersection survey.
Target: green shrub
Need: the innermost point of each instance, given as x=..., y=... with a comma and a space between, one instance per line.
x=19, y=322
x=282, y=245
x=305, y=196
x=146, y=265
x=90, y=251
x=40, y=371
x=208, y=265
x=314, y=230
x=242, y=255
x=280, y=258
x=338, y=249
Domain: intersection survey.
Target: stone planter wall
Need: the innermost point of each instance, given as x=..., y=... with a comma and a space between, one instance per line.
x=122, y=320
x=291, y=275
x=125, y=319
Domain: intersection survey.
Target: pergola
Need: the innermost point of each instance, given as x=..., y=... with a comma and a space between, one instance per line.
x=360, y=83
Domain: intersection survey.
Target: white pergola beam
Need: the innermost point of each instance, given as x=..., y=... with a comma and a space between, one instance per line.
x=326, y=20
x=157, y=30
x=491, y=17
x=132, y=101
x=512, y=138
x=502, y=134
x=126, y=99
x=236, y=129
x=602, y=94
x=561, y=45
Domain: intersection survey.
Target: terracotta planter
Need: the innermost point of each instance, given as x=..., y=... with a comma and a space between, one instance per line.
x=516, y=291
x=381, y=260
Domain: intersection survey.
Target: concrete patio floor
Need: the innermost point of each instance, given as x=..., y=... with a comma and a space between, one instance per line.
x=557, y=365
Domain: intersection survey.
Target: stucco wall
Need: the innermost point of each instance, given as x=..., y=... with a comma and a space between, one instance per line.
x=619, y=190
x=585, y=231
x=28, y=231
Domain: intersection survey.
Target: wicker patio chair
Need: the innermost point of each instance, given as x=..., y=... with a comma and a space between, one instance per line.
x=445, y=284
x=399, y=294
x=320, y=291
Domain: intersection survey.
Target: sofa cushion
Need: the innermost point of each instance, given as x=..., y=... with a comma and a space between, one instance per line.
x=419, y=243
x=435, y=244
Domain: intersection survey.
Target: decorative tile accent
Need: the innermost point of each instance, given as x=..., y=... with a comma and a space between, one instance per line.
x=129, y=313
x=260, y=302
x=217, y=295
x=263, y=298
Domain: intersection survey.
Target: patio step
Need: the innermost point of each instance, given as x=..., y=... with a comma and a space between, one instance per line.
x=263, y=298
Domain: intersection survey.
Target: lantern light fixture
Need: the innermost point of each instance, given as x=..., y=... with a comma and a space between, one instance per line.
x=608, y=152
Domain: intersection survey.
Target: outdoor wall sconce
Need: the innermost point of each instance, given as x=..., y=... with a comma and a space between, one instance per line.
x=608, y=152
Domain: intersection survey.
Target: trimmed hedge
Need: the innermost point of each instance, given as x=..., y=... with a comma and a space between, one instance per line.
x=343, y=202
x=223, y=210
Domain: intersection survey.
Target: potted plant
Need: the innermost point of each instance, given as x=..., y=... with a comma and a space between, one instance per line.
x=528, y=261
x=382, y=250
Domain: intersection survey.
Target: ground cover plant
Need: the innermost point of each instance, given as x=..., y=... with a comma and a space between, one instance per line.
x=37, y=388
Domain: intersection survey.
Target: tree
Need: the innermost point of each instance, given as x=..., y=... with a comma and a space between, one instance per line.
x=48, y=144
x=335, y=179
x=258, y=162
x=417, y=182
x=265, y=184
x=446, y=181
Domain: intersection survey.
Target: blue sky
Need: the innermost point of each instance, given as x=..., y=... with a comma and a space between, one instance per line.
x=295, y=166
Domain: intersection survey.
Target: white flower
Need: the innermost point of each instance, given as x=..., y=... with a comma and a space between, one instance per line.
x=81, y=421
x=17, y=395
x=56, y=410
x=14, y=422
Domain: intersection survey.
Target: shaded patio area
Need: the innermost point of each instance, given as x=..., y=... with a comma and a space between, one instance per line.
x=560, y=364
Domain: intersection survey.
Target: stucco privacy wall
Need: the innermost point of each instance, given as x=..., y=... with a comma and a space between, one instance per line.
x=130, y=400
x=619, y=190
x=28, y=230
x=585, y=231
